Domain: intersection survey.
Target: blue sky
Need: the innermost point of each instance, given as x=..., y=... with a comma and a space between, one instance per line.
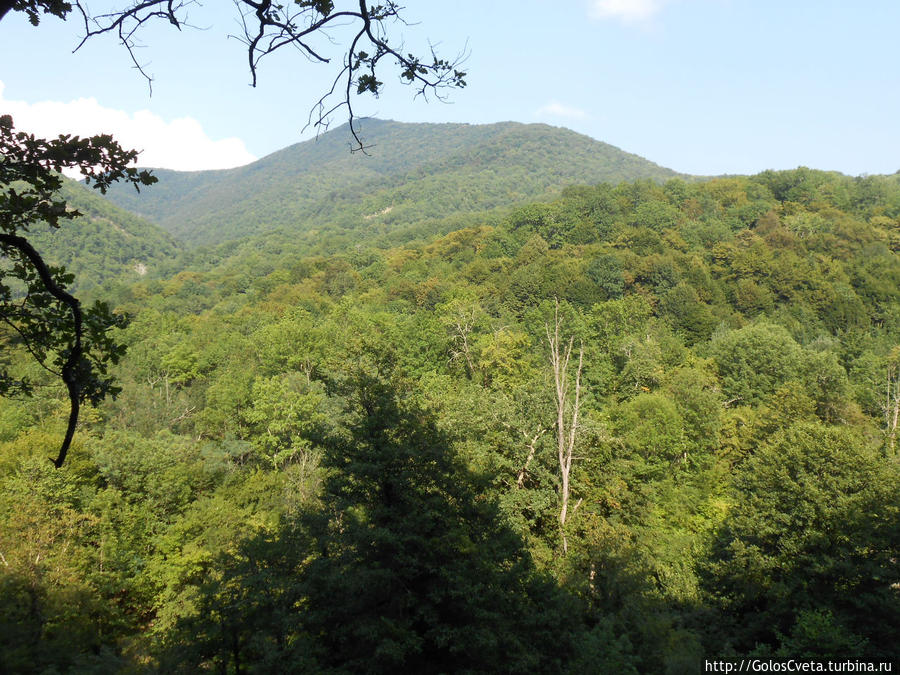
x=701, y=86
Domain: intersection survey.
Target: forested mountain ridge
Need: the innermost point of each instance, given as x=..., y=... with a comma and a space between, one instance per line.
x=412, y=172
x=323, y=461
x=105, y=243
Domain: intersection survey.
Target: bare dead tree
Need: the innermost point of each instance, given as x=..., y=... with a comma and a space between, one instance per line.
x=566, y=430
x=266, y=27
x=891, y=405
x=531, y=444
x=462, y=324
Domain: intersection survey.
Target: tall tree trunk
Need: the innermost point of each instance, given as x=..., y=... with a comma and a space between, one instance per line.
x=565, y=430
x=463, y=324
x=532, y=448
x=892, y=405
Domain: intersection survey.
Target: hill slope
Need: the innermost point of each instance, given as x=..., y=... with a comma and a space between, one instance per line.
x=412, y=172
x=104, y=243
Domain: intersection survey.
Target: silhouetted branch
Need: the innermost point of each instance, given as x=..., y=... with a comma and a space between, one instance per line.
x=267, y=27
x=70, y=366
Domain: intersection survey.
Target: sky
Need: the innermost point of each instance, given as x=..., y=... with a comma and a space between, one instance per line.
x=704, y=87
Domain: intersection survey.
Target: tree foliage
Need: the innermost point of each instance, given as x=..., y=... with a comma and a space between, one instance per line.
x=807, y=554
x=320, y=458
x=36, y=310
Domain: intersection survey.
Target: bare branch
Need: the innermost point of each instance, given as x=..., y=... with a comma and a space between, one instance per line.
x=532, y=448
x=266, y=27
x=565, y=430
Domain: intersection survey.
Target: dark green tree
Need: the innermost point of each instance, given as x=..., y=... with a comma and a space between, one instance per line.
x=606, y=271
x=417, y=572
x=406, y=566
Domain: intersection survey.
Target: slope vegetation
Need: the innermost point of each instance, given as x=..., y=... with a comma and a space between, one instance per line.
x=104, y=243
x=412, y=172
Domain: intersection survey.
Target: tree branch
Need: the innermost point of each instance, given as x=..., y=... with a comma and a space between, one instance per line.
x=268, y=26
x=69, y=369
x=30, y=180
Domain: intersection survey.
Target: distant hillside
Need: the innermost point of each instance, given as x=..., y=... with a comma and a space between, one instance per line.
x=413, y=172
x=104, y=243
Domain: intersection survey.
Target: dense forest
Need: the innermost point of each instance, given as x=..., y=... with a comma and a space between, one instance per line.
x=623, y=430
x=105, y=243
x=410, y=174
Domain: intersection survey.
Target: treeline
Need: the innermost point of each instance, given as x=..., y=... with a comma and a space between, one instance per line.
x=355, y=463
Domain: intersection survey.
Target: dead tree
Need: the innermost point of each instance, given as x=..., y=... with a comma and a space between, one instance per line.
x=462, y=326
x=532, y=449
x=891, y=405
x=566, y=430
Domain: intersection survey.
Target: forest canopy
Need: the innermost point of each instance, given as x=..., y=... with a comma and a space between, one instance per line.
x=381, y=425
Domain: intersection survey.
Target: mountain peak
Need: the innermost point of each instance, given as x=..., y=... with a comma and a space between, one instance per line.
x=421, y=170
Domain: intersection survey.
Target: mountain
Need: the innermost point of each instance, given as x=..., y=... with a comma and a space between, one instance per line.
x=105, y=243
x=411, y=173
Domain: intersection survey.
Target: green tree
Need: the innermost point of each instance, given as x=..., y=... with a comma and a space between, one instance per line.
x=52, y=320
x=652, y=431
x=285, y=413
x=811, y=545
x=753, y=361
x=606, y=271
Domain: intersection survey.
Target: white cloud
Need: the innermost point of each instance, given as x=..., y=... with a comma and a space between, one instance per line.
x=178, y=144
x=627, y=11
x=554, y=109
